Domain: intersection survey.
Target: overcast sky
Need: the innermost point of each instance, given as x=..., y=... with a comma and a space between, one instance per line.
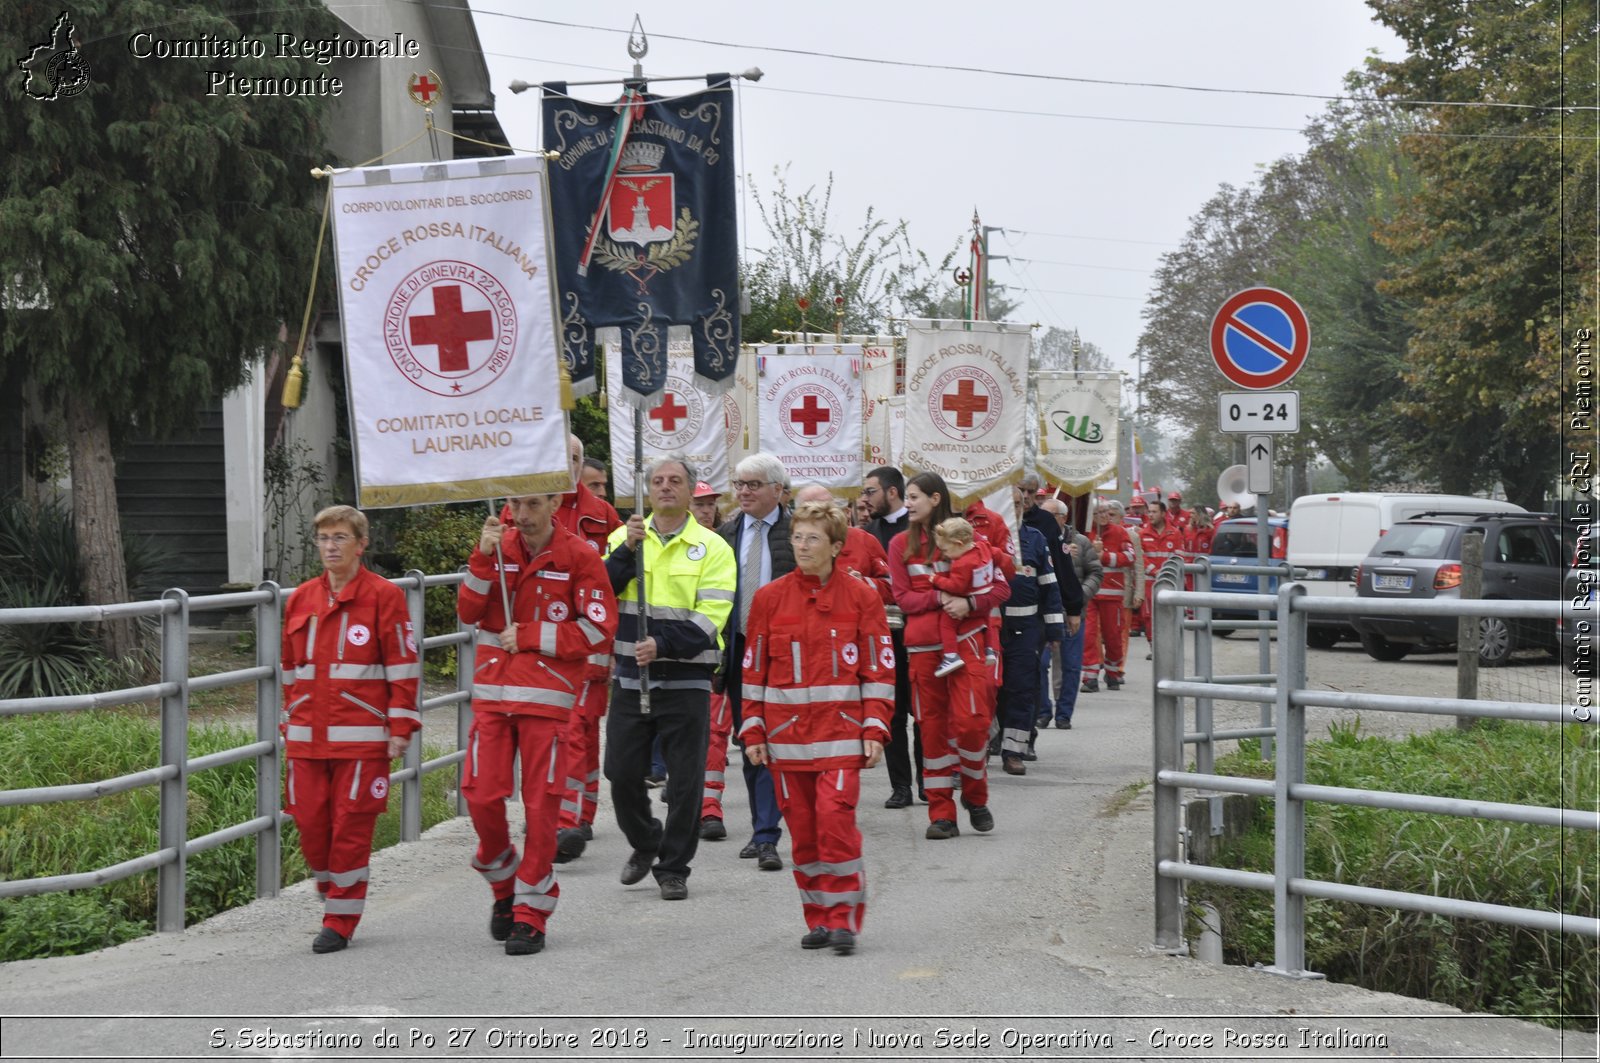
x=1091, y=185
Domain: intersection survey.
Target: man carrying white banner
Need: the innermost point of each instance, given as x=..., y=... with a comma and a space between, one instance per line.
x=686, y=420
x=1078, y=416
x=449, y=331
x=966, y=391
x=810, y=414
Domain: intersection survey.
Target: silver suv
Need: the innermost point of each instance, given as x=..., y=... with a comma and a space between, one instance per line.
x=1523, y=557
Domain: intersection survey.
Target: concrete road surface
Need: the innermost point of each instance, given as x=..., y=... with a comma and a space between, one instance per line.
x=1030, y=942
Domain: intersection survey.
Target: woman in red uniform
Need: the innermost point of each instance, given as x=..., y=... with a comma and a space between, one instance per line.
x=818, y=697
x=953, y=710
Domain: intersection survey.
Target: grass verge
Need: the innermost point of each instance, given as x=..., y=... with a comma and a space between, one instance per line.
x=76, y=836
x=1470, y=964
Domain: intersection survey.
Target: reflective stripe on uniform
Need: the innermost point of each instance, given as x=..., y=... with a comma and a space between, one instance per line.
x=347, y=878
x=298, y=734
x=474, y=584
x=402, y=713
x=343, y=906
x=358, y=734
x=394, y=673
x=815, y=750
x=524, y=695
x=355, y=671
x=878, y=690
x=1022, y=610
x=846, y=867
x=826, y=897
x=809, y=695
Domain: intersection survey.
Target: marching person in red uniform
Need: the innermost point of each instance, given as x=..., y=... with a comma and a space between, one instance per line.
x=527, y=685
x=1161, y=537
x=818, y=689
x=592, y=519
x=350, y=676
x=703, y=505
x=953, y=710
x=1107, y=612
x=1176, y=514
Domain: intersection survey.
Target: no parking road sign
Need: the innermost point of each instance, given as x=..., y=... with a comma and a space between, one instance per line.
x=1259, y=338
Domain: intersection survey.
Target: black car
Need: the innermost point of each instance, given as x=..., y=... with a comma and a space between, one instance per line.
x=1523, y=557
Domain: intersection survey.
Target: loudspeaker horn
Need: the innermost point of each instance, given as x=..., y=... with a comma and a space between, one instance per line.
x=1233, y=487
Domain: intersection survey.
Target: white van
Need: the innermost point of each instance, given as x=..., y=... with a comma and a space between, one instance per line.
x=1333, y=533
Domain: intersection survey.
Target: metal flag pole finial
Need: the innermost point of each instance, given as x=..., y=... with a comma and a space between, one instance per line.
x=638, y=45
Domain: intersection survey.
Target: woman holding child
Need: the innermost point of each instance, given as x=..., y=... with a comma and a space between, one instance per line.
x=952, y=707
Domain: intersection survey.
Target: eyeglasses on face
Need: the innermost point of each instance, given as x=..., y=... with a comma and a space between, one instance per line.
x=338, y=539
x=750, y=485
x=868, y=492
x=808, y=540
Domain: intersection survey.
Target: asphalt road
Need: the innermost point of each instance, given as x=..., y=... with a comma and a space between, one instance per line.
x=1032, y=941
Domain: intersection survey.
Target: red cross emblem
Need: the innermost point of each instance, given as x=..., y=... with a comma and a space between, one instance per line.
x=450, y=328
x=964, y=402
x=424, y=87
x=669, y=413
x=808, y=415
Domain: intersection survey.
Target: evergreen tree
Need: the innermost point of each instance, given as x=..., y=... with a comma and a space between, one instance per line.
x=153, y=238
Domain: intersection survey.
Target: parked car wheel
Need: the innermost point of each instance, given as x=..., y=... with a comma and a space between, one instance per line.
x=1322, y=638
x=1496, y=643
x=1381, y=649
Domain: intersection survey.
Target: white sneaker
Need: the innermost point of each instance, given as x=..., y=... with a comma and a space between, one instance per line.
x=950, y=662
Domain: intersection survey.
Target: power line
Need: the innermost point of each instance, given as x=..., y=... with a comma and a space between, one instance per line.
x=1008, y=230
x=1079, y=265
x=1029, y=75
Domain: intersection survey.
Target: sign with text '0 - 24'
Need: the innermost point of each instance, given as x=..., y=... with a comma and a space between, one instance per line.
x=1258, y=411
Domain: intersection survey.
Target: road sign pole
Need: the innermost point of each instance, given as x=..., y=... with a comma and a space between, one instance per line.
x=1264, y=636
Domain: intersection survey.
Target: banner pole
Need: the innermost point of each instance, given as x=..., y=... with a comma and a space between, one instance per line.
x=500, y=569
x=638, y=507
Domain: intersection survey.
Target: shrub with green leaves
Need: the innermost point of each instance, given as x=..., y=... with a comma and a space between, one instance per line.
x=75, y=836
x=1470, y=964
x=438, y=539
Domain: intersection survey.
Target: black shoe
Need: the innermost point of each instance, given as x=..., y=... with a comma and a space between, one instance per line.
x=1028, y=755
x=994, y=747
x=750, y=851
x=940, y=829
x=651, y=782
x=500, y=920
x=1042, y=722
x=524, y=940
x=673, y=888
x=1091, y=686
x=982, y=819
x=569, y=844
x=1147, y=656
x=328, y=940
x=843, y=941
x=1064, y=725
x=637, y=867
x=899, y=797
x=712, y=830
x=767, y=858
x=816, y=938
x=1113, y=684
x=588, y=832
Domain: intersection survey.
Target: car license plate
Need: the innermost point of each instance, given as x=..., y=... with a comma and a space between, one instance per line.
x=1232, y=577
x=1380, y=582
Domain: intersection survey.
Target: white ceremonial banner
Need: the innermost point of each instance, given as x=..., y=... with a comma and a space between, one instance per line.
x=893, y=440
x=1078, y=418
x=877, y=388
x=1000, y=501
x=809, y=398
x=448, y=313
x=683, y=419
x=966, y=404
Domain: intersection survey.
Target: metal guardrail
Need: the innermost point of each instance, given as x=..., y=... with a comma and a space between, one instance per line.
x=1284, y=689
x=175, y=610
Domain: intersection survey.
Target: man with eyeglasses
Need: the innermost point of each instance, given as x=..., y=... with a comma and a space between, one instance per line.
x=759, y=536
x=350, y=676
x=884, y=489
x=690, y=577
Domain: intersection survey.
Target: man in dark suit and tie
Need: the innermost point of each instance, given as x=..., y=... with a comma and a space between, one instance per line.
x=759, y=535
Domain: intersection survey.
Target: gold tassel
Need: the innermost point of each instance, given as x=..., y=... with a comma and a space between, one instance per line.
x=293, y=384
x=1044, y=441
x=568, y=403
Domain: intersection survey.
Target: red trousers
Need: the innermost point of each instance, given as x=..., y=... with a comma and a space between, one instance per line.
x=581, y=752
x=717, y=756
x=335, y=804
x=1105, y=638
x=496, y=741
x=954, y=712
x=819, y=808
